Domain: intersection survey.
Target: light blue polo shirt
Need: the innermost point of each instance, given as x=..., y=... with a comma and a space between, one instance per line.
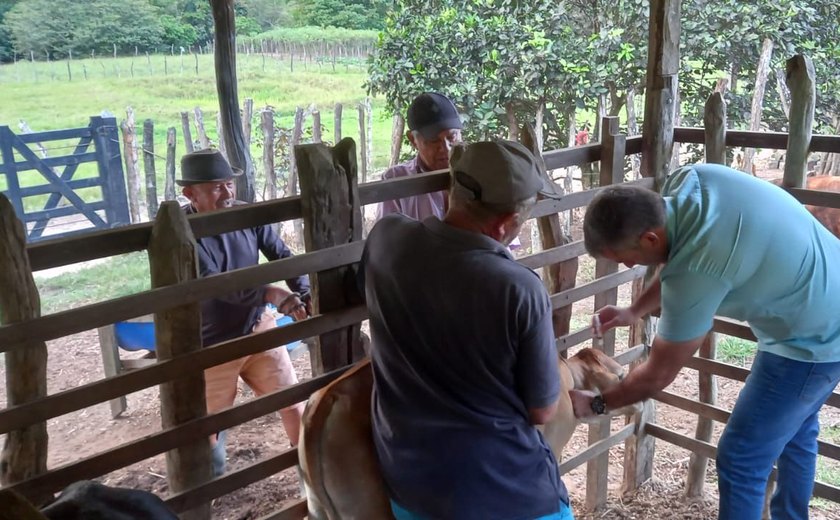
x=743, y=248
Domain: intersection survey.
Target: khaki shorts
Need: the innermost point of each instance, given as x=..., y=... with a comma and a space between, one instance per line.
x=264, y=372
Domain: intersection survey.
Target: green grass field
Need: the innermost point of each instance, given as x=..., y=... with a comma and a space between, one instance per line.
x=42, y=94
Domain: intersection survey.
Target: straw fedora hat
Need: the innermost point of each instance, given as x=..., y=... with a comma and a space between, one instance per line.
x=205, y=166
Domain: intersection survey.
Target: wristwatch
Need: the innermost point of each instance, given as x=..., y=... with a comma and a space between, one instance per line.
x=598, y=405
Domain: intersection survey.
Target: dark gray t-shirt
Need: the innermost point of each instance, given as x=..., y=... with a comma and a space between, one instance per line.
x=462, y=347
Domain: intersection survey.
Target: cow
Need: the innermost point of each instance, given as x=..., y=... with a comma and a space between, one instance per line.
x=86, y=500
x=828, y=217
x=338, y=459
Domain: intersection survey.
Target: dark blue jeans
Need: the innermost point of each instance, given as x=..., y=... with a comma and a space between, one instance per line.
x=775, y=419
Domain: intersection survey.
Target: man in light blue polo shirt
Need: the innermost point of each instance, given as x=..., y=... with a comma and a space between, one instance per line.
x=463, y=353
x=737, y=246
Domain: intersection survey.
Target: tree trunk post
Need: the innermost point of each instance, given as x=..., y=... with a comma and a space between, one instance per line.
x=714, y=126
x=562, y=275
x=169, y=188
x=316, y=126
x=149, y=167
x=130, y=154
x=189, y=146
x=801, y=82
x=24, y=453
x=267, y=125
x=611, y=172
x=225, y=54
x=247, y=120
x=761, y=74
x=397, y=136
x=221, y=136
x=332, y=216
x=660, y=93
x=173, y=260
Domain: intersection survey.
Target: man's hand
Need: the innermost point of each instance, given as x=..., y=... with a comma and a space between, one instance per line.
x=610, y=317
x=286, y=302
x=582, y=403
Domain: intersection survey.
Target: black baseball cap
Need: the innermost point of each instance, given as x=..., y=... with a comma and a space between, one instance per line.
x=430, y=113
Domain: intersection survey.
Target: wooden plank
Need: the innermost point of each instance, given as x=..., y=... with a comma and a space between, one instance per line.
x=574, y=156
x=12, y=182
x=292, y=511
x=43, y=215
x=599, y=448
x=76, y=184
x=173, y=259
x=568, y=341
x=776, y=140
x=103, y=313
x=151, y=445
x=363, y=140
x=59, y=160
x=731, y=327
x=332, y=216
x=631, y=355
x=103, y=390
x=633, y=145
x=25, y=449
x=554, y=255
x=598, y=286
x=677, y=439
x=56, y=135
x=812, y=197
x=233, y=481
x=800, y=76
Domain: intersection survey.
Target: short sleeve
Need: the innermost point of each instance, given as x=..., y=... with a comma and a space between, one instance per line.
x=537, y=374
x=689, y=304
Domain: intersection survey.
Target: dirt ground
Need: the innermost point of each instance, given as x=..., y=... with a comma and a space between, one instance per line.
x=76, y=360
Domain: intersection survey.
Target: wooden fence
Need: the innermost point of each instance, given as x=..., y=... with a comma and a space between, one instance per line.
x=26, y=334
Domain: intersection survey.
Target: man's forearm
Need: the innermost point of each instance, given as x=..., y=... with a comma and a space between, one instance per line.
x=641, y=383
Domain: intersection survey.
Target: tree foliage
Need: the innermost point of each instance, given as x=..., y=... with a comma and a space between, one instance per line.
x=349, y=14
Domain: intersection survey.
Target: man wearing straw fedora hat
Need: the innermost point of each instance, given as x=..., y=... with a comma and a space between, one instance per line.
x=208, y=181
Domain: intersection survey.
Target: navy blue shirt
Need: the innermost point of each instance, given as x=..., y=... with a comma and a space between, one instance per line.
x=234, y=315
x=462, y=347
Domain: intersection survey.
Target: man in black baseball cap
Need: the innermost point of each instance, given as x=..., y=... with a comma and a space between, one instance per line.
x=434, y=126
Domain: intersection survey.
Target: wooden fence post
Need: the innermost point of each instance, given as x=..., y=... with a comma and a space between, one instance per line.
x=714, y=122
x=172, y=258
x=24, y=453
x=714, y=125
x=800, y=81
x=397, y=131
x=363, y=159
x=612, y=172
x=169, y=192
x=337, y=122
x=149, y=167
x=332, y=216
x=639, y=449
x=130, y=155
x=660, y=92
x=203, y=140
x=369, y=135
x=185, y=128
x=267, y=125
x=316, y=126
x=292, y=186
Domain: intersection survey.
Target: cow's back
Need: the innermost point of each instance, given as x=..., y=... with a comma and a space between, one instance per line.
x=337, y=456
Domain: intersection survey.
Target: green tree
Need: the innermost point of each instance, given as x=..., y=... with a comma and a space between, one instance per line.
x=349, y=14
x=78, y=30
